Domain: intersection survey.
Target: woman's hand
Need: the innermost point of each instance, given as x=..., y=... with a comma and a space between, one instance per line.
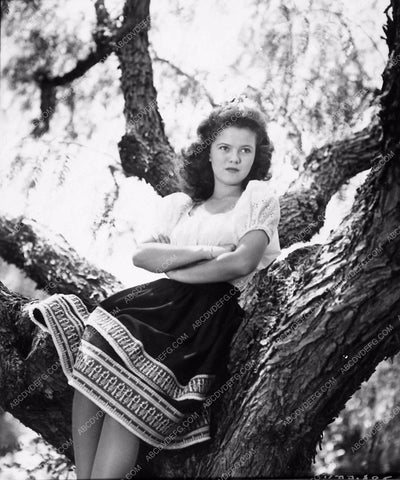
x=172, y=274
x=220, y=249
x=163, y=239
x=179, y=273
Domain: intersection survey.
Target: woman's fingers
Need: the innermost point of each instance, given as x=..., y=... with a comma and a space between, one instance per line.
x=163, y=239
x=220, y=249
x=229, y=246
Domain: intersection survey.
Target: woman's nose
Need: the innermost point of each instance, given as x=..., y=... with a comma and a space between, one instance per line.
x=236, y=155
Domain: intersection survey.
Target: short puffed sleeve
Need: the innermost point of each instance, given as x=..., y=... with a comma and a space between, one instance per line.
x=260, y=210
x=168, y=211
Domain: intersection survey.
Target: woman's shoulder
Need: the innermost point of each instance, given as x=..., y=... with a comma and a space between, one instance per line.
x=173, y=205
x=169, y=209
x=259, y=203
x=176, y=198
x=259, y=191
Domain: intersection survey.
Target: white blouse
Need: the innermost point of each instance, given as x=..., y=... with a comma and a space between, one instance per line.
x=256, y=209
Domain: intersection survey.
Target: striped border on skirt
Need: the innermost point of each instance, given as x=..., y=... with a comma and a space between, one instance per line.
x=137, y=395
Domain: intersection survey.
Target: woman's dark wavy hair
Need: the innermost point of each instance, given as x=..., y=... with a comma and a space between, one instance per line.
x=196, y=177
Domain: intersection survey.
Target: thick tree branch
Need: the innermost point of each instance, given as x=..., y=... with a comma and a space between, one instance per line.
x=34, y=390
x=106, y=37
x=302, y=207
x=347, y=294
x=144, y=149
x=325, y=171
x=51, y=262
x=314, y=312
x=103, y=39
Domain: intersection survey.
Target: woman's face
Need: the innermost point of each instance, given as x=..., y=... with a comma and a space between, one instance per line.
x=233, y=148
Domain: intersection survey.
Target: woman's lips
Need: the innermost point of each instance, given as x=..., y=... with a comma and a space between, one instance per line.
x=233, y=170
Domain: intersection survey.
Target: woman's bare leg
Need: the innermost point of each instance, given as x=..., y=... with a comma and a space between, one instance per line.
x=117, y=451
x=87, y=420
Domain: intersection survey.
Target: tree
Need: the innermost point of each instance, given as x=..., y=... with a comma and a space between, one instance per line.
x=323, y=320
x=144, y=149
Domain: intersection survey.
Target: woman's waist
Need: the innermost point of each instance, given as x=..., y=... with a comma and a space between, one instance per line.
x=215, y=290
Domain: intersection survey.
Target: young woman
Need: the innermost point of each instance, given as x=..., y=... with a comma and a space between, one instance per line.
x=144, y=362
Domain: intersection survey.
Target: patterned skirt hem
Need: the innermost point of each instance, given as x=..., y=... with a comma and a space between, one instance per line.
x=113, y=412
x=126, y=397
x=148, y=368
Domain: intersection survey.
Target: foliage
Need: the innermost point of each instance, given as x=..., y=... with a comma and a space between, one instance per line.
x=373, y=405
x=313, y=67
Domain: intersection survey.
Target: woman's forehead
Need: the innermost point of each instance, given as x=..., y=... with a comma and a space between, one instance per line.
x=236, y=135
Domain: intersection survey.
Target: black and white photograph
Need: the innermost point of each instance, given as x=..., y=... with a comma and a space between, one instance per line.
x=200, y=239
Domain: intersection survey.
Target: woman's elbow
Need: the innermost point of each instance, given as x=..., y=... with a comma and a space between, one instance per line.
x=241, y=268
x=247, y=265
x=143, y=259
x=137, y=256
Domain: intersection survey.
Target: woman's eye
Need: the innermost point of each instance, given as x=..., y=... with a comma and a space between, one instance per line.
x=223, y=147
x=246, y=149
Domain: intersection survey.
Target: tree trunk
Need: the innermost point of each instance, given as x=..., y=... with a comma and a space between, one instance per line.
x=144, y=149
x=323, y=320
x=34, y=390
x=32, y=385
x=332, y=164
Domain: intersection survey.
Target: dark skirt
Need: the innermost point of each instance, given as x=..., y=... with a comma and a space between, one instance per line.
x=150, y=355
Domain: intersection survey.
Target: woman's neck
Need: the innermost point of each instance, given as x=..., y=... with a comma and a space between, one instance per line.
x=224, y=192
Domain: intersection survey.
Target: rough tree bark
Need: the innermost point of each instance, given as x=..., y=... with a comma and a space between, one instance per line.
x=51, y=262
x=303, y=207
x=104, y=36
x=314, y=312
x=144, y=149
x=325, y=170
x=344, y=296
